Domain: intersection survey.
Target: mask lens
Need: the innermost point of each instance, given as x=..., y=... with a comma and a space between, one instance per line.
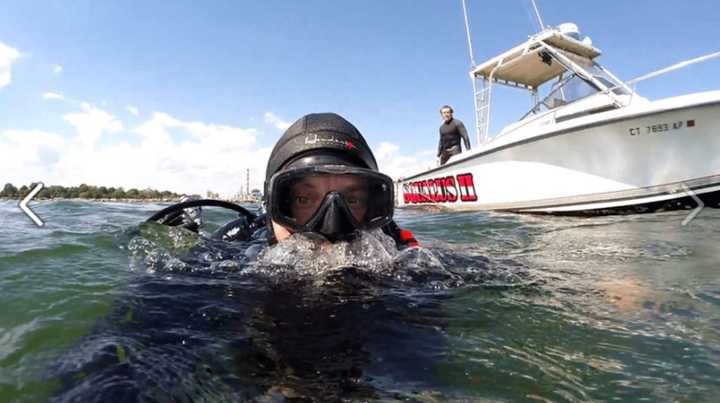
x=299, y=195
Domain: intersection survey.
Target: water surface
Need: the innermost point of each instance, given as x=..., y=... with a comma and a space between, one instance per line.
x=495, y=307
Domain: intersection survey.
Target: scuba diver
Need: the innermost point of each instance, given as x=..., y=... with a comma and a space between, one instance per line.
x=321, y=178
x=236, y=338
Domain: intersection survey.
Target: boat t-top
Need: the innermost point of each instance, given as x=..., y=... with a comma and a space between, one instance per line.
x=589, y=145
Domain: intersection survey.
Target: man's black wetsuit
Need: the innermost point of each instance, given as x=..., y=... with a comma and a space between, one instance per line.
x=449, y=144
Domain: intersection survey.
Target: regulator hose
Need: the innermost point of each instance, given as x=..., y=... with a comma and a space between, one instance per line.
x=178, y=207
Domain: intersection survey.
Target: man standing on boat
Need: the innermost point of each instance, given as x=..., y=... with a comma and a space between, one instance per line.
x=451, y=131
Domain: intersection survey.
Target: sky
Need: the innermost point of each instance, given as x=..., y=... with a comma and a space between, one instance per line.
x=186, y=95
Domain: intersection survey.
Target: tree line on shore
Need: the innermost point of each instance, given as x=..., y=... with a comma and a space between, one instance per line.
x=85, y=192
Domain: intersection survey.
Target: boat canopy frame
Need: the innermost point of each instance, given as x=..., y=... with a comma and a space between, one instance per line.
x=545, y=56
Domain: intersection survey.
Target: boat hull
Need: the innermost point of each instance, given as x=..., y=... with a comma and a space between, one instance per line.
x=640, y=162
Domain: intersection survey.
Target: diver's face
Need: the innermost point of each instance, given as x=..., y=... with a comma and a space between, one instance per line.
x=447, y=114
x=308, y=194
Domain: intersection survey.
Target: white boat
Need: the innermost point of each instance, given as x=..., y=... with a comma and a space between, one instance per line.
x=591, y=145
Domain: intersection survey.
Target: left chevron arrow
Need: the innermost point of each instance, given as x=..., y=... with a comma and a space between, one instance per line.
x=26, y=209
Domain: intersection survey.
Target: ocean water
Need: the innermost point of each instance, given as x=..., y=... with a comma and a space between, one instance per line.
x=493, y=307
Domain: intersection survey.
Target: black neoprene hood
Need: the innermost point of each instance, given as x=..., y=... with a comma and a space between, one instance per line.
x=319, y=140
x=317, y=133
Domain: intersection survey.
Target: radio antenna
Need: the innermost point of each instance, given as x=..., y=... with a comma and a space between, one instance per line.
x=467, y=32
x=537, y=14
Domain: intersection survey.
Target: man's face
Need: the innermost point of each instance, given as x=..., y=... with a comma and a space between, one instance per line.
x=447, y=114
x=308, y=194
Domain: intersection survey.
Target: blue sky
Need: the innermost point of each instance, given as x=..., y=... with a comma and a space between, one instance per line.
x=185, y=95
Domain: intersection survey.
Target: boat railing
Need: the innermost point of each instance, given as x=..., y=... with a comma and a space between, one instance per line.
x=482, y=97
x=581, y=72
x=530, y=119
x=673, y=67
x=604, y=82
x=552, y=103
x=677, y=66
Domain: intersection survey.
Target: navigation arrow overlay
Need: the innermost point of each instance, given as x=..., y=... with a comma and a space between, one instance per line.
x=24, y=204
x=696, y=210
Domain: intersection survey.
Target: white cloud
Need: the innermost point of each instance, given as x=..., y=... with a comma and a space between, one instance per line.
x=272, y=119
x=7, y=56
x=91, y=123
x=31, y=155
x=396, y=165
x=57, y=69
x=163, y=152
x=133, y=110
x=169, y=154
x=53, y=95
x=211, y=157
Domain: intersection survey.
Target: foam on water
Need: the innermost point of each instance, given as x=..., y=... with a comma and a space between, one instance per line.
x=311, y=254
x=370, y=260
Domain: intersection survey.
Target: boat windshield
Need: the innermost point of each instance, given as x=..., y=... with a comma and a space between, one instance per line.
x=570, y=88
x=607, y=80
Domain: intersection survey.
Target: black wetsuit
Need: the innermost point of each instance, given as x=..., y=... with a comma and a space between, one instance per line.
x=202, y=335
x=449, y=144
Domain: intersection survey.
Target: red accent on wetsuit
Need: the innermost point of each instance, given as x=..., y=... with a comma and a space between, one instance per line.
x=408, y=238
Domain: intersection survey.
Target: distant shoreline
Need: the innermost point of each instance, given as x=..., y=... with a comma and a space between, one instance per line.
x=168, y=200
x=103, y=194
x=165, y=200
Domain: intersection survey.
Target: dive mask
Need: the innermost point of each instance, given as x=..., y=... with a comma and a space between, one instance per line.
x=332, y=200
